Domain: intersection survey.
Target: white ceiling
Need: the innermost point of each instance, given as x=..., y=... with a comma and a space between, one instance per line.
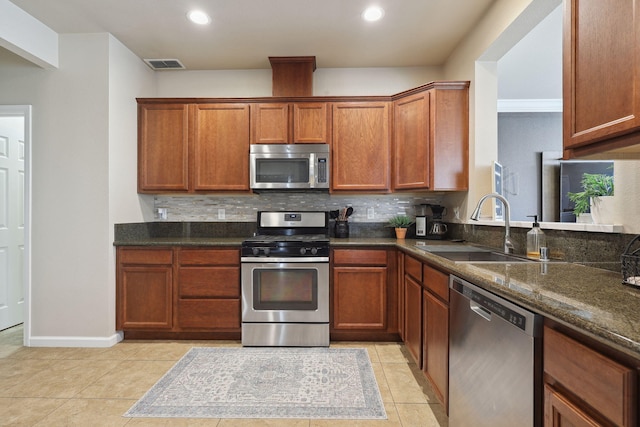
x=244, y=33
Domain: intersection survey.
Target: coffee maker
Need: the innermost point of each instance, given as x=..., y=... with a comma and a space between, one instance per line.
x=421, y=221
x=437, y=229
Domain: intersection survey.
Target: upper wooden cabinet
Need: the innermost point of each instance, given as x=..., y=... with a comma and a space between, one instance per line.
x=221, y=147
x=361, y=146
x=601, y=78
x=163, y=147
x=193, y=147
x=290, y=123
x=431, y=138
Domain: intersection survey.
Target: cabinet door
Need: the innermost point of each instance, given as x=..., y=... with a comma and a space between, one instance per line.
x=310, y=123
x=270, y=123
x=361, y=146
x=449, y=138
x=560, y=412
x=413, y=318
x=601, y=70
x=360, y=298
x=411, y=143
x=435, y=350
x=221, y=147
x=163, y=147
x=144, y=289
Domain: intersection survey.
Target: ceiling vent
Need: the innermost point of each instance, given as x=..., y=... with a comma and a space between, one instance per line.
x=165, y=64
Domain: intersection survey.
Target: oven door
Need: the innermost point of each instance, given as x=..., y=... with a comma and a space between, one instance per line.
x=285, y=291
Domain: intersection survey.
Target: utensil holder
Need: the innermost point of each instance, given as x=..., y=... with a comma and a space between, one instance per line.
x=342, y=229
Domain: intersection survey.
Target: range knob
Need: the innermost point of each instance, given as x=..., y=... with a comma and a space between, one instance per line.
x=303, y=251
x=266, y=251
x=314, y=251
x=255, y=251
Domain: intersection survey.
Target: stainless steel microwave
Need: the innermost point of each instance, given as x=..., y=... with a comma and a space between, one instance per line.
x=289, y=166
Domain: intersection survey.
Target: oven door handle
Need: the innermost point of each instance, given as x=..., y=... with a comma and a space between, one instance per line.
x=284, y=260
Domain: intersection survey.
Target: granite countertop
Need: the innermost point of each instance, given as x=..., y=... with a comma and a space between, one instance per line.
x=591, y=300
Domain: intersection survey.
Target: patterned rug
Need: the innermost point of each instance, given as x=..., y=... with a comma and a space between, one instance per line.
x=307, y=383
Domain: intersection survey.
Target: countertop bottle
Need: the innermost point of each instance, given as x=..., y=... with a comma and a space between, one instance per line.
x=535, y=239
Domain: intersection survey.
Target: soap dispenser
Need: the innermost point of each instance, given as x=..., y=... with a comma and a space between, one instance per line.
x=535, y=239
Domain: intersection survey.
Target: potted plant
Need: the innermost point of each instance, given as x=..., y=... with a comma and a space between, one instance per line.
x=594, y=187
x=400, y=223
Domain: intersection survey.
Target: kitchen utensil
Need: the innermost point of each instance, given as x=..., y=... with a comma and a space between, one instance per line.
x=349, y=211
x=334, y=214
x=631, y=264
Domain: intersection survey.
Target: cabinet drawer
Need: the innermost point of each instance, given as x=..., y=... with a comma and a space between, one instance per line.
x=209, y=282
x=145, y=256
x=436, y=281
x=360, y=256
x=608, y=387
x=209, y=314
x=413, y=267
x=209, y=257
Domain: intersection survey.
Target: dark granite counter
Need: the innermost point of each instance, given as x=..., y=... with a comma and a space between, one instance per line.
x=590, y=300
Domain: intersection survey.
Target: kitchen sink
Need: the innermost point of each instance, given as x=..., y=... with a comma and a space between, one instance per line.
x=481, y=256
x=471, y=254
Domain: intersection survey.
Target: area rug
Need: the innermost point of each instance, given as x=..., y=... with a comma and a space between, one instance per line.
x=313, y=383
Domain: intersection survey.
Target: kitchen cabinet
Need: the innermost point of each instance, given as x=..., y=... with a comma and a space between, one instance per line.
x=601, y=76
x=435, y=339
x=361, y=146
x=171, y=292
x=221, y=147
x=163, y=147
x=190, y=148
x=208, y=286
x=290, y=123
x=413, y=308
x=363, y=295
x=584, y=387
x=144, y=289
x=431, y=138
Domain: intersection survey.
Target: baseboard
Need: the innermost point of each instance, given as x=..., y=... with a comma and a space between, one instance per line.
x=91, y=342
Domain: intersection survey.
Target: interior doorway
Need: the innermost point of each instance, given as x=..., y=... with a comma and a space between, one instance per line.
x=15, y=205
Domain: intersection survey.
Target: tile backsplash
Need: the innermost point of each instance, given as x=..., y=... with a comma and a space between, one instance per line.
x=244, y=208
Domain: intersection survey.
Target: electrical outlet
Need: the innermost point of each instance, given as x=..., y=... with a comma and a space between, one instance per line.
x=221, y=214
x=370, y=213
x=161, y=213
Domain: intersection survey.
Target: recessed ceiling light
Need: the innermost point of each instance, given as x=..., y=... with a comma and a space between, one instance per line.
x=373, y=13
x=198, y=17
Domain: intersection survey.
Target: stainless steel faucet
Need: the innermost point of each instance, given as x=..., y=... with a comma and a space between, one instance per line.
x=508, y=245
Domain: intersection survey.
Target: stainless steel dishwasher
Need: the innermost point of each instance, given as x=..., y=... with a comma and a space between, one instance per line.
x=494, y=360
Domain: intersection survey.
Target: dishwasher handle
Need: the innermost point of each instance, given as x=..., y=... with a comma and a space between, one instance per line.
x=485, y=314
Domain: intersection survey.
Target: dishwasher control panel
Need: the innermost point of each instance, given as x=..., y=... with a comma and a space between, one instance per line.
x=492, y=304
x=495, y=307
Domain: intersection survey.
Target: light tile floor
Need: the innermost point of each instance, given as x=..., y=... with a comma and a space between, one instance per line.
x=94, y=387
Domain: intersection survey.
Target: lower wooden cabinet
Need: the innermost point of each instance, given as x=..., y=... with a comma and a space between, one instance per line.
x=584, y=387
x=363, y=297
x=144, y=291
x=208, y=288
x=178, y=289
x=412, y=304
x=435, y=339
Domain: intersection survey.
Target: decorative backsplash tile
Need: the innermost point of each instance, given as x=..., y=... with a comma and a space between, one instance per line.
x=244, y=208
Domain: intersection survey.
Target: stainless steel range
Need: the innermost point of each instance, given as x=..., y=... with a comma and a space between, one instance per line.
x=285, y=281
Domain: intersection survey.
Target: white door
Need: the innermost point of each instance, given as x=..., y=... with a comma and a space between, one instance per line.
x=12, y=190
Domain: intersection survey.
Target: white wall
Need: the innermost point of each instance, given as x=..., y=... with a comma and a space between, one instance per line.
x=129, y=78
x=326, y=82
x=70, y=194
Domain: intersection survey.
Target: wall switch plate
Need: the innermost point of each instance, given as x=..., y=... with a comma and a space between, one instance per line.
x=370, y=213
x=221, y=214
